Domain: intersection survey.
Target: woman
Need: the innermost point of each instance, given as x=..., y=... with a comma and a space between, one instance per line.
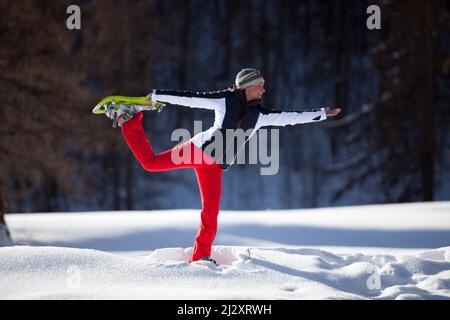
x=238, y=107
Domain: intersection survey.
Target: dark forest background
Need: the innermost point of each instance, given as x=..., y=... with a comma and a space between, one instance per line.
x=390, y=144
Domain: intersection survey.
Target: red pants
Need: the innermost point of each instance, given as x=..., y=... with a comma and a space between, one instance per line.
x=209, y=177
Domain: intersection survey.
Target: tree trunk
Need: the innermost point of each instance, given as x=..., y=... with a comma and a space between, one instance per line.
x=339, y=55
x=116, y=172
x=429, y=111
x=2, y=208
x=5, y=237
x=129, y=182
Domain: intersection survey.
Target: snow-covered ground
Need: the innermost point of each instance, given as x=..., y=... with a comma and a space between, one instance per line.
x=399, y=251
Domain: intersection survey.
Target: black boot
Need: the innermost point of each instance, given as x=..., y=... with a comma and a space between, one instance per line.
x=208, y=258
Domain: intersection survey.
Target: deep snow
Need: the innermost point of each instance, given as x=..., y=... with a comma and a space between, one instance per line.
x=366, y=252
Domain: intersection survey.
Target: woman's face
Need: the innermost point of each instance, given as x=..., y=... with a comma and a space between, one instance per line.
x=255, y=92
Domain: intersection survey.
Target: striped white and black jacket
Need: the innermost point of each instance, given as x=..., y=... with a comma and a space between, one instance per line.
x=232, y=112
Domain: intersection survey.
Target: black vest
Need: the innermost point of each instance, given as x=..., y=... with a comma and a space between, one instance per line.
x=239, y=115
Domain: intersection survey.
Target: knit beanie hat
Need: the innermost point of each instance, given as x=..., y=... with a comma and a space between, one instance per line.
x=248, y=77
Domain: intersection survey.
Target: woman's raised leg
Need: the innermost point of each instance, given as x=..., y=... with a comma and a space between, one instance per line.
x=185, y=155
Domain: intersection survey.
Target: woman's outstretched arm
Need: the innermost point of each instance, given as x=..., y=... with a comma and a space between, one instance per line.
x=284, y=118
x=203, y=100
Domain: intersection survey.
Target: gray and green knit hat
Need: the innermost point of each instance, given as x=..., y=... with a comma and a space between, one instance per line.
x=248, y=77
